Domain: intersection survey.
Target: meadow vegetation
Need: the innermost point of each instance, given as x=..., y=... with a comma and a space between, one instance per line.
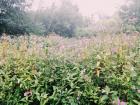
x=57, y=56
x=54, y=70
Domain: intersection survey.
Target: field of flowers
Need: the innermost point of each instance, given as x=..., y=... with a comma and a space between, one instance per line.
x=52, y=70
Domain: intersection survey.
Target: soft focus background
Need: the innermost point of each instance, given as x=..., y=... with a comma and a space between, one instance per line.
x=69, y=17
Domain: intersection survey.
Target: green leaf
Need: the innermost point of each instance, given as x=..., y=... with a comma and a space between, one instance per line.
x=103, y=98
x=136, y=102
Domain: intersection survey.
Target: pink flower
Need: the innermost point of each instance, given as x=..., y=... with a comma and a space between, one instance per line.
x=62, y=47
x=113, y=50
x=119, y=102
x=123, y=103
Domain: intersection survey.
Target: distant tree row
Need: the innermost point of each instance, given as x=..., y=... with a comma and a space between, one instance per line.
x=62, y=20
x=130, y=15
x=17, y=19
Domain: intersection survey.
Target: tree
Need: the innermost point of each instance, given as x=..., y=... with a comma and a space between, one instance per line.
x=13, y=17
x=130, y=15
x=62, y=20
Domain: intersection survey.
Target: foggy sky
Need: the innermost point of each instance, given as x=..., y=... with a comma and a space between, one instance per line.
x=86, y=7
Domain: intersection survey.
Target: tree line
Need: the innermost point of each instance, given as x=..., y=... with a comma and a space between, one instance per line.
x=16, y=18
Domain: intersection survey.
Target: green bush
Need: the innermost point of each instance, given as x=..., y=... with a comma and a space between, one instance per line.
x=85, y=32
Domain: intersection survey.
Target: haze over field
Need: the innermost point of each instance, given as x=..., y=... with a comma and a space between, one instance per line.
x=86, y=7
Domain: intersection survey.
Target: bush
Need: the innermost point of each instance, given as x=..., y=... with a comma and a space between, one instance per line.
x=85, y=32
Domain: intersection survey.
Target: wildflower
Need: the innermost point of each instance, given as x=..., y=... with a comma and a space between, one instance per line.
x=138, y=91
x=28, y=93
x=78, y=98
x=62, y=47
x=113, y=50
x=123, y=103
x=87, y=78
x=83, y=71
x=119, y=101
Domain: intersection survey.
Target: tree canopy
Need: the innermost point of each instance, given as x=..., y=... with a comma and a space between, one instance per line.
x=62, y=20
x=13, y=17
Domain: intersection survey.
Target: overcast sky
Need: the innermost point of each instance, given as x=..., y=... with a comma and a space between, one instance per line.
x=87, y=7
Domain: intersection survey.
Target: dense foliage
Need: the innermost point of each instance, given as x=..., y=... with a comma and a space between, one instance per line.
x=130, y=15
x=13, y=17
x=17, y=18
x=105, y=73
